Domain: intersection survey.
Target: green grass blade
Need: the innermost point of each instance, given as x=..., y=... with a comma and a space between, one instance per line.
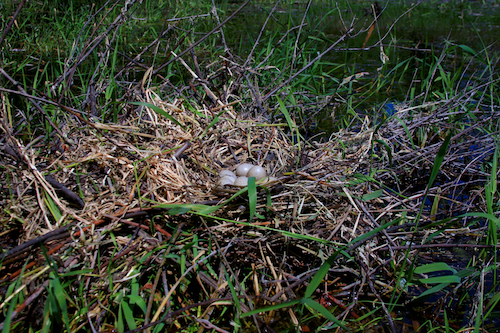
x=60, y=297
x=494, y=171
x=321, y=309
x=212, y=123
x=139, y=301
x=283, y=232
x=491, y=187
x=78, y=272
x=53, y=208
x=6, y=323
x=13, y=302
x=468, y=49
x=290, y=122
x=439, y=159
x=119, y=324
x=159, y=111
x=47, y=322
x=433, y=290
x=372, y=195
x=434, y=267
x=129, y=315
x=488, y=216
x=179, y=210
x=176, y=209
x=492, y=303
x=198, y=208
x=410, y=138
x=235, y=300
x=441, y=279
x=320, y=275
x=159, y=328
x=446, y=322
x=387, y=149
x=269, y=202
x=252, y=197
x=205, y=210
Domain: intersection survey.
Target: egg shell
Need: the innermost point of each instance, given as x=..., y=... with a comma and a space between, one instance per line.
x=258, y=172
x=226, y=181
x=241, y=181
x=243, y=168
x=227, y=173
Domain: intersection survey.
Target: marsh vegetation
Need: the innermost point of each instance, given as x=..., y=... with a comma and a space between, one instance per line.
x=378, y=122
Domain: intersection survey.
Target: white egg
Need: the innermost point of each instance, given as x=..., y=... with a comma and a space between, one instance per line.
x=258, y=172
x=243, y=168
x=241, y=181
x=226, y=181
x=227, y=173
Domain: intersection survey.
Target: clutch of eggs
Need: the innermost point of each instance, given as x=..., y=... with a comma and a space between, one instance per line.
x=241, y=175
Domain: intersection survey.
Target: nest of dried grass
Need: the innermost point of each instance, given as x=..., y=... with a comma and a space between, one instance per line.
x=150, y=159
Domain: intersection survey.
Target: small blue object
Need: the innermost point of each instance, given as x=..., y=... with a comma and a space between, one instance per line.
x=389, y=109
x=294, y=139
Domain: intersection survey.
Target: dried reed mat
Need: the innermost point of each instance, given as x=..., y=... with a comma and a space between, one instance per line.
x=173, y=155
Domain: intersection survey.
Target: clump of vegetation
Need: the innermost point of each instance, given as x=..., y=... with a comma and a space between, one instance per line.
x=117, y=118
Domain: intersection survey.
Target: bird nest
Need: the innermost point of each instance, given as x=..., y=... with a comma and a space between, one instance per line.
x=167, y=153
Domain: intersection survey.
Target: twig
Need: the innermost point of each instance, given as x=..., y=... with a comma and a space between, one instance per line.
x=52, y=235
x=222, y=37
x=27, y=302
x=37, y=106
x=12, y=20
x=146, y=49
x=65, y=191
x=363, y=208
x=249, y=58
x=161, y=272
x=182, y=149
x=428, y=246
x=176, y=313
x=231, y=149
x=294, y=57
x=255, y=93
x=96, y=42
x=176, y=284
x=382, y=303
x=203, y=38
x=303, y=69
x=63, y=232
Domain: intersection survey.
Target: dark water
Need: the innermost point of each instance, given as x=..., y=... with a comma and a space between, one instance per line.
x=401, y=24
x=413, y=37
